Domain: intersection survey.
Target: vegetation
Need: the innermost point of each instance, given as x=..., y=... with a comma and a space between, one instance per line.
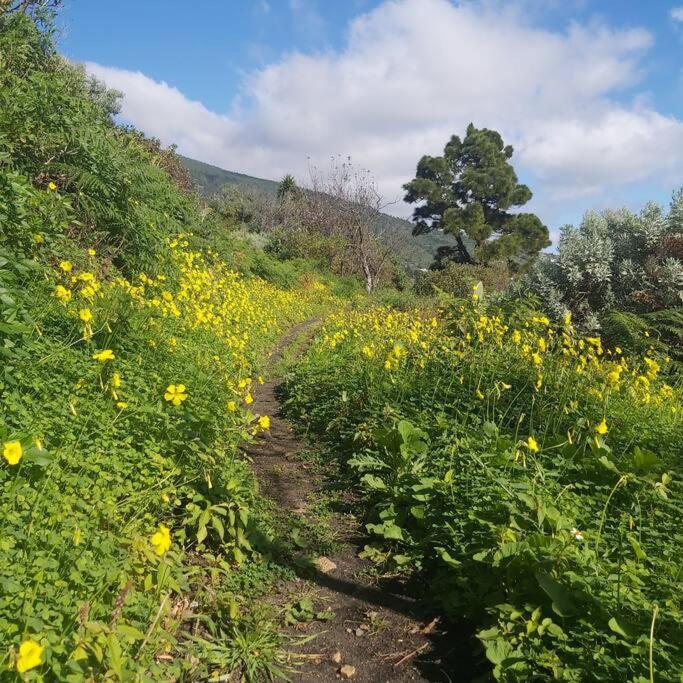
x=527, y=473
x=414, y=253
x=129, y=354
x=619, y=272
x=468, y=192
x=529, y=477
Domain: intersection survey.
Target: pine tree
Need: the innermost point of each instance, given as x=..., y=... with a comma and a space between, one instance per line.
x=468, y=192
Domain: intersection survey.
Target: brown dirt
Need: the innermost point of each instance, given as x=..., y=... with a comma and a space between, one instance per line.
x=383, y=633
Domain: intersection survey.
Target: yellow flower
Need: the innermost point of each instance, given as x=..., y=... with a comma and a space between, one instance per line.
x=63, y=294
x=66, y=266
x=30, y=656
x=121, y=405
x=85, y=314
x=12, y=452
x=104, y=356
x=532, y=444
x=479, y=395
x=161, y=540
x=175, y=394
x=602, y=427
x=248, y=399
x=264, y=422
x=232, y=406
x=91, y=252
x=116, y=380
x=38, y=239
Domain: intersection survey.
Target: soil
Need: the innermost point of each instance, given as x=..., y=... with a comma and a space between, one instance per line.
x=384, y=634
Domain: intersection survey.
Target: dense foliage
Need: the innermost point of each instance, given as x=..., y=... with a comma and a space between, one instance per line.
x=617, y=261
x=129, y=350
x=528, y=474
x=468, y=192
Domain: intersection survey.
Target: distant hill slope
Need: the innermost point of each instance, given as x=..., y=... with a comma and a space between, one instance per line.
x=414, y=252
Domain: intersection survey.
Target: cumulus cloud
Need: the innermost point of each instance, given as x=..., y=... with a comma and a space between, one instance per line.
x=413, y=72
x=677, y=13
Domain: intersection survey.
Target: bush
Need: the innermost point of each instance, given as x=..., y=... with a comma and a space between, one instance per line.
x=614, y=260
x=458, y=279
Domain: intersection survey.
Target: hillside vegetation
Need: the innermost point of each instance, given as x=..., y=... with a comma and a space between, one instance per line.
x=527, y=475
x=415, y=252
x=129, y=354
x=519, y=474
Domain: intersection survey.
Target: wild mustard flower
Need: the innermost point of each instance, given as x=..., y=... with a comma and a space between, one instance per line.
x=30, y=656
x=248, y=399
x=175, y=394
x=161, y=540
x=264, y=422
x=63, y=294
x=12, y=452
x=232, y=406
x=66, y=266
x=38, y=239
x=104, y=355
x=532, y=444
x=85, y=314
x=602, y=427
x=51, y=186
x=91, y=252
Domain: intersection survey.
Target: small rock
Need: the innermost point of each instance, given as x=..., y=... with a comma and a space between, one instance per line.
x=324, y=564
x=359, y=632
x=336, y=657
x=347, y=671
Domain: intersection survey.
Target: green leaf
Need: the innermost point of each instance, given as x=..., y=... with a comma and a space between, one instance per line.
x=617, y=628
x=372, y=481
x=130, y=632
x=643, y=459
x=564, y=600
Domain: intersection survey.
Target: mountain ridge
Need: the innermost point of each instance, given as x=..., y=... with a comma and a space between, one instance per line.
x=416, y=252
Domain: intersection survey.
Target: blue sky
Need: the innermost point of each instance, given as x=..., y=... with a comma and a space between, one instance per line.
x=590, y=92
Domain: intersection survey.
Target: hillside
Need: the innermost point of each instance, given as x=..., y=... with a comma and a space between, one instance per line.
x=415, y=252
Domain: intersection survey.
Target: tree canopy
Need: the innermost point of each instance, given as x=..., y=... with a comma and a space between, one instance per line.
x=469, y=192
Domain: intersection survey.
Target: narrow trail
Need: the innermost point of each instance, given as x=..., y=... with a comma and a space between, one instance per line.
x=376, y=635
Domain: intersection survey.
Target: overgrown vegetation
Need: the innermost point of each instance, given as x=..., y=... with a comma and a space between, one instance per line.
x=527, y=474
x=619, y=272
x=132, y=332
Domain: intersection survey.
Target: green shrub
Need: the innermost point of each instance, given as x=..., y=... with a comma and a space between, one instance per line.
x=458, y=279
x=528, y=476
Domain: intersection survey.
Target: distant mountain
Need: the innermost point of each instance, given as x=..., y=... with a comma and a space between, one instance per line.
x=414, y=252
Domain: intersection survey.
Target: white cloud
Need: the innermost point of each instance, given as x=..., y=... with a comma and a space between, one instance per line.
x=677, y=13
x=412, y=73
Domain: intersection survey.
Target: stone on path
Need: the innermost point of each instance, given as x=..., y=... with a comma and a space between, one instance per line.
x=347, y=671
x=324, y=564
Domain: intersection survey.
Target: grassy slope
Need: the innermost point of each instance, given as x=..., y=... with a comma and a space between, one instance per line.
x=414, y=252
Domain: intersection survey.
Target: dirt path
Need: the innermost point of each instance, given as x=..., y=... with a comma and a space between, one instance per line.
x=376, y=634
